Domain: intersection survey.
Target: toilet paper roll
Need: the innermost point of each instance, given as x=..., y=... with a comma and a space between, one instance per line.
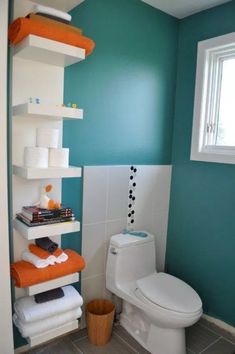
x=36, y=157
x=48, y=138
x=59, y=157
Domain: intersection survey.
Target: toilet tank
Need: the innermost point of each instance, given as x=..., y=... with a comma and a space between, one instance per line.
x=129, y=258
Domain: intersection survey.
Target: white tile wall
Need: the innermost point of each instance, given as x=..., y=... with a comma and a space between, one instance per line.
x=105, y=194
x=105, y=209
x=93, y=249
x=152, y=205
x=95, y=194
x=118, y=177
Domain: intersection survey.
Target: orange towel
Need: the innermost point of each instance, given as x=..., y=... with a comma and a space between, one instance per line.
x=55, y=23
x=22, y=27
x=25, y=274
x=38, y=251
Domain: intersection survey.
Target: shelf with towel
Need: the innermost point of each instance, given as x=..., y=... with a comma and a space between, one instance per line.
x=48, y=51
x=68, y=327
x=33, y=232
x=51, y=284
x=48, y=111
x=50, y=172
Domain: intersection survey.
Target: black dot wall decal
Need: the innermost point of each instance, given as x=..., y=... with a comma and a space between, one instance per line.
x=132, y=197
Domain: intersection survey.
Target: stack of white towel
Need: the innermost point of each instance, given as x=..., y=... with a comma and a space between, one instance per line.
x=33, y=319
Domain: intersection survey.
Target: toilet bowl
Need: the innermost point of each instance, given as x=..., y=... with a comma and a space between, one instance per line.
x=156, y=306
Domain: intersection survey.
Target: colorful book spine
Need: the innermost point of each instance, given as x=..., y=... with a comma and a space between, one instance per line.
x=46, y=222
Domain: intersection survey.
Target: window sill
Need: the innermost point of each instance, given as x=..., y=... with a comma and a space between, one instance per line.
x=219, y=154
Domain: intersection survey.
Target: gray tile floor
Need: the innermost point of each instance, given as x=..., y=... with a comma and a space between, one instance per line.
x=202, y=338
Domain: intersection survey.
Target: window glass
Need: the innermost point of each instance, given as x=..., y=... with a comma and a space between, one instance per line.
x=226, y=119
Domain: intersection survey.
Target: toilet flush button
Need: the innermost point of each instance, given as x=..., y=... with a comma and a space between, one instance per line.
x=113, y=250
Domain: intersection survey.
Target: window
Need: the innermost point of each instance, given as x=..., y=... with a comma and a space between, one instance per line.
x=213, y=137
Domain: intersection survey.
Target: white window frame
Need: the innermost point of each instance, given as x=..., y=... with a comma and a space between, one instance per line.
x=210, y=55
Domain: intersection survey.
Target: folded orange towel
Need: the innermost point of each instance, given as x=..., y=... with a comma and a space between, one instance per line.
x=55, y=23
x=22, y=27
x=25, y=274
x=38, y=251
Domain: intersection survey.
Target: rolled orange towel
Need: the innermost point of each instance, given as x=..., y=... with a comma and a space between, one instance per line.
x=22, y=27
x=41, y=253
x=25, y=274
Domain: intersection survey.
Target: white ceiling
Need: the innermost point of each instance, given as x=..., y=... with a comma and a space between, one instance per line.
x=64, y=5
x=183, y=8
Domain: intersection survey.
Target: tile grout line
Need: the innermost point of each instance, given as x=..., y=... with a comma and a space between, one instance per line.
x=190, y=350
x=78, y=350
x=210, y=345
x=79, y=339
x=228, y=340
x=104, y=221
x=212, y=331
x=124, y=341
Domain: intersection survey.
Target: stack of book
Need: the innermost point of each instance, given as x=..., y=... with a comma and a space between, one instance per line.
x=34, y=216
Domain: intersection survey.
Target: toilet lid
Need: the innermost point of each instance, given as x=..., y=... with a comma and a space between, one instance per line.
x=170, y=293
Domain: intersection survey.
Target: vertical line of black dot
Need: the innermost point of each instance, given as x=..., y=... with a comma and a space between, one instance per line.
x=131, y=197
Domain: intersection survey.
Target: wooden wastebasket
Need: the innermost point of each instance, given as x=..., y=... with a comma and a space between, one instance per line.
x=99, y=320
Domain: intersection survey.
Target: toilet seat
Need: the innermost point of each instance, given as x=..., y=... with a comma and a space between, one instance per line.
x=169, y=292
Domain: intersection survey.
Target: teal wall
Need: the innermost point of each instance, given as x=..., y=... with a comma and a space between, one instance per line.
x=201, y=234
x=126, y=88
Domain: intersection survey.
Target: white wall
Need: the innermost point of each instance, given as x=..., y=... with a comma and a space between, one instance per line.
x=152, y=205
x=104, y=214
x=106, y=200
x=6, y=337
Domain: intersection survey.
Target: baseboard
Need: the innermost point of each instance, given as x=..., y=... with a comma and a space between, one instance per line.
x=22, y=349
x=220, y=324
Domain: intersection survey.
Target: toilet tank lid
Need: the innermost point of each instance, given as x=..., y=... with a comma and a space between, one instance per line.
x=126, y=240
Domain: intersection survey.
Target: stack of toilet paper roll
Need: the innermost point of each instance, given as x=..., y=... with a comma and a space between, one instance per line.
x=46, y=152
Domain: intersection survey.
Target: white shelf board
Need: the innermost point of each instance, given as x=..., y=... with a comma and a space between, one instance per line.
x=56, y=332
x=51, y=172
x=48, y=111
x=47, y=51
x=51, y=284
x=64, y=5
x=33, y=232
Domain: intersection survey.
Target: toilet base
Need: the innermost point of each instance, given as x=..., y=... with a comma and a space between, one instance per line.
x=155, y=339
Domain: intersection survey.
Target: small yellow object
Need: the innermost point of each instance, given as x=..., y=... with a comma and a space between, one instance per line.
x=74, y=105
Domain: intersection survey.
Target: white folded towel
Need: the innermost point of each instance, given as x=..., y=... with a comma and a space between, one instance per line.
x=27, y=310
x=39, y=327
x=43, y=262
x=51, y=260
x=35, y=260
x=62, y=258
x=51, y=11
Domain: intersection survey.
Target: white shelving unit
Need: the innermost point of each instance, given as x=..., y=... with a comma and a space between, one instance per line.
x=38, y=71
x=52, y=284
x=59, y=331
x=51, y=172
x=34, y=232
x=48, y=51
x=33, y=110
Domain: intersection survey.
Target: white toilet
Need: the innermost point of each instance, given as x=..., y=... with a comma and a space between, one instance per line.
x=157, y=306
